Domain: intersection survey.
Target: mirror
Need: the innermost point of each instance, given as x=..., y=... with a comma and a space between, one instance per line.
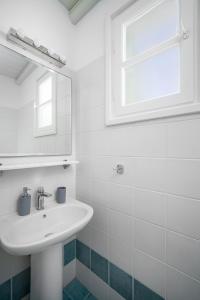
x=35, y=108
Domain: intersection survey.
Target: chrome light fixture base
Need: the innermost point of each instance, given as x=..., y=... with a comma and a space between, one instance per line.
x=34, y=46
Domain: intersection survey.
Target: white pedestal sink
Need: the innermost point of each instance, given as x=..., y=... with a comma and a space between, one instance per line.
x=41, y=234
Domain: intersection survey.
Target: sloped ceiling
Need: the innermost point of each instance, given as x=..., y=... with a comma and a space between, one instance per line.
x=69, y=3
x=11, y=63
x=77, y=9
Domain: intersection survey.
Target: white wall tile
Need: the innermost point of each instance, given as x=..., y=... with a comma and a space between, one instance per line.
x=103, y=168
x=85, y=235
x=181, y=287
x=100, y=217
x=98, y=287
x=182, y=177
x=183, y=215
x=183, y=139
x=120, y=226
x=150, y=272
x=121, y=254
x=69, y=272
x=114, y=295
x=83, y=274
x=100, y=194
x=150, y=206
x=183, y=254
x=121, y=198
x=150, y=174
x=99, y=242
x=150, y=239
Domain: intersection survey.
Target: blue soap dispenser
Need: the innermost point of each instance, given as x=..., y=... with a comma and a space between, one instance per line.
x=24, y=203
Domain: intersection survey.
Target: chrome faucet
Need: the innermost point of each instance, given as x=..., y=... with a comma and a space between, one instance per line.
x=41, y=194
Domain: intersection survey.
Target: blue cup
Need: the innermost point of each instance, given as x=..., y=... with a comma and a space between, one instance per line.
x=61, y=194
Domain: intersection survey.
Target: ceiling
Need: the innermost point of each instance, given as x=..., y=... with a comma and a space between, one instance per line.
x=11, y=64
x=77, y=9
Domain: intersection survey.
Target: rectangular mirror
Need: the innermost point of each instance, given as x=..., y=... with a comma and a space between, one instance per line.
x=35, y=108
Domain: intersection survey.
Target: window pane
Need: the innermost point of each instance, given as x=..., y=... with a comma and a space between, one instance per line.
x=45, y=90
x=45, y=115
x=159, y=25
x=156, y=77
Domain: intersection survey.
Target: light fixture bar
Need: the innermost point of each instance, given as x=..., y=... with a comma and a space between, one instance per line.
x=35, y=47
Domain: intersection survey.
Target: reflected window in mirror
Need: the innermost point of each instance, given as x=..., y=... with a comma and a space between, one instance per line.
x=35, y=107
x=45, y=105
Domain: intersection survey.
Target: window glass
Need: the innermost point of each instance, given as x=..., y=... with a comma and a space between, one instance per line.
x=45, y=115
x=45, y=90
x=154, y=78
x=157, y=26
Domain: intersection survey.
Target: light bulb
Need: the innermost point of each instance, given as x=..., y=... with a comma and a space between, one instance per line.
x=63, y=58
x=37, y=43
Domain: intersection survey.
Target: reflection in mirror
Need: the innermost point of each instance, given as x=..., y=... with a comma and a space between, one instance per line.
x=35, y=108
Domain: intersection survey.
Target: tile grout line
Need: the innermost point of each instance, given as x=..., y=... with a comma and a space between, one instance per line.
x=11, y=288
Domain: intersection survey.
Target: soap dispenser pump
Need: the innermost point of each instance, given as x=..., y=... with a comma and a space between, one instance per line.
x=24, y=203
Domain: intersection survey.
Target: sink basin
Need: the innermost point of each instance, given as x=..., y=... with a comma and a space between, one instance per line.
x=42, y=234
x=35, y=232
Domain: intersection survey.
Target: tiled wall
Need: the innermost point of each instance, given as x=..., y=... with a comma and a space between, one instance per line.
x=146, y=221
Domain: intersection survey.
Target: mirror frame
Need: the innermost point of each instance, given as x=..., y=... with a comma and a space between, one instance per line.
x=65, y=71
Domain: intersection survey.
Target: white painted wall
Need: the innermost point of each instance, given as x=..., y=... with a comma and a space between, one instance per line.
x=146, y=221
x=47, y=21
x=44, y=20
x=10, y=93
x=9, y=101
x=89, y=33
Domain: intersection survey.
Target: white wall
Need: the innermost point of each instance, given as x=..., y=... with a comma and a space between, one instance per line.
x=9, y=101
x=47, y=21
x=146, y=221
x=44, y=20
x=89, y=33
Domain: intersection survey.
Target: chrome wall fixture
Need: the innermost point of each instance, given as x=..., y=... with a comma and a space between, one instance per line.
x=18, y=37
x=119, y=169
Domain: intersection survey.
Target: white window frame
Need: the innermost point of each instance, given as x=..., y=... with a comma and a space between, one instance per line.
x=185, y=102
x=51, y=129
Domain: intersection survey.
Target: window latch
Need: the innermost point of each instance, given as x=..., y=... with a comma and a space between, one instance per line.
x=186, y=34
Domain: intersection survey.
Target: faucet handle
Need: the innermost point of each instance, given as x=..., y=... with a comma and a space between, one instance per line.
x=41, y=189
x=43, y=193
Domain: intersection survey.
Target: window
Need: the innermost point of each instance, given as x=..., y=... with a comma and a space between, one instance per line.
x=150, y=61
x=45, y=105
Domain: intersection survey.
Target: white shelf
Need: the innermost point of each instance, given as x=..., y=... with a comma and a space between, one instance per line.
x=64, y=163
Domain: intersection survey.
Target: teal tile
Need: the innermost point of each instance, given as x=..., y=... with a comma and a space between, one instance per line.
x=5, y=290
x=66, y=297
x=83, y=253
x=141, y=292
x=99, y=265
x=21, y=285
x=121, y=282
x=75, y=290
x=90, y=297
x=69, y=252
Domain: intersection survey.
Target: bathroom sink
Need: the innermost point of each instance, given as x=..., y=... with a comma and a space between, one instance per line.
x=42, y=234
x=36, y=232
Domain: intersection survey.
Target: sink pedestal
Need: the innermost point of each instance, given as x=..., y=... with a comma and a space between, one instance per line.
x=47, y=274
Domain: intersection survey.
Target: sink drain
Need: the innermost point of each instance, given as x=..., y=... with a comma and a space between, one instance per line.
x=48, y=234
